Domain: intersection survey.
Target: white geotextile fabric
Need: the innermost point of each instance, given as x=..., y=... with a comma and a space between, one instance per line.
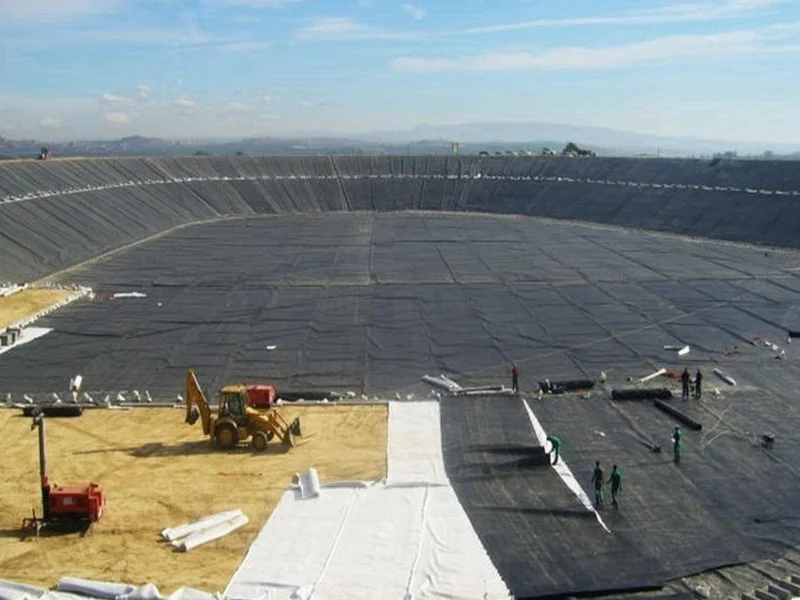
x=414, y=446
x=372, y=543
x=76, y=588
x=406, y=539
x=26, y=336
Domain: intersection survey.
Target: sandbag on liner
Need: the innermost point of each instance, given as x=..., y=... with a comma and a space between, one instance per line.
x=309, y=483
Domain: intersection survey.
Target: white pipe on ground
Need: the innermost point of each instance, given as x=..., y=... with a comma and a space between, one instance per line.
x=180, y=531
x=653, y=375
x=213, y=533
x=94, y=589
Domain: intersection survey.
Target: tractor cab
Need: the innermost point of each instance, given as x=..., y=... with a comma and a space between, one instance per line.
x=233, y=402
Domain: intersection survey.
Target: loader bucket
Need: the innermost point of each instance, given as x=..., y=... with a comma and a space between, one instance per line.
x=192, y=417
x=295, y=428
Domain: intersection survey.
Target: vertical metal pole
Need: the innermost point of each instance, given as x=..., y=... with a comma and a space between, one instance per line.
x=43, y=469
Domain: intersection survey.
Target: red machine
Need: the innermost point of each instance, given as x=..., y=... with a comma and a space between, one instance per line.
x=75, y=505
x=261, y=396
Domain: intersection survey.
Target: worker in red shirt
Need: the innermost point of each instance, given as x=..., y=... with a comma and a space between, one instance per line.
x=514, y=377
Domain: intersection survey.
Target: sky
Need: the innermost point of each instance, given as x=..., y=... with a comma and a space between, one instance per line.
x=197, y=69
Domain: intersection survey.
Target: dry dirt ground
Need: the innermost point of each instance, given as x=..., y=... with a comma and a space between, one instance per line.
x=23, y=304
x=157, y=471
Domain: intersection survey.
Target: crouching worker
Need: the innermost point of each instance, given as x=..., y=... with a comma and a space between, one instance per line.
x=555, y=447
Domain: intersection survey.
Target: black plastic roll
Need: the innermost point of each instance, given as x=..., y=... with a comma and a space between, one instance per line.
x=794, y=334
x=53, y=410
x=680, y=415
x=641, y=394
x=562, y=387
x=294, y=396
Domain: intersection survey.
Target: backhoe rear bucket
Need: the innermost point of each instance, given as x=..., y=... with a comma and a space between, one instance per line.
x=192, y=417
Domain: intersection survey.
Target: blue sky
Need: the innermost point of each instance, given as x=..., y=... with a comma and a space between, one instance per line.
x=719, y=69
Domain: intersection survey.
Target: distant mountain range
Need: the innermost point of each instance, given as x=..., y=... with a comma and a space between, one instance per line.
x=423, y=139
x=611, y=140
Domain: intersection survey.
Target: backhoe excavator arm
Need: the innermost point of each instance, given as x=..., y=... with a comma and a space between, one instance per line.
x=196, y=398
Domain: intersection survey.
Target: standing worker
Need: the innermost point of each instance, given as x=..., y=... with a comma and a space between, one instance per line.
x=514, y=377
x=676, y=444
x=698, y=384
x=556, y=443
x=685, y=382
x=616, y=485
x=597, y=479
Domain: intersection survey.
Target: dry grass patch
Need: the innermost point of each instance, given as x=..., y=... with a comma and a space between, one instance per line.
x=28, y=302
x=156, y=472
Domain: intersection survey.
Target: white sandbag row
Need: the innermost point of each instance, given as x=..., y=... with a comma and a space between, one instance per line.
x=11, y=289
x=190, y=535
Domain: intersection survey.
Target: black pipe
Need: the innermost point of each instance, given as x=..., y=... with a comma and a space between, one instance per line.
x=562, y=387
x=53, y=410
x=641, y=394
x=680, y=415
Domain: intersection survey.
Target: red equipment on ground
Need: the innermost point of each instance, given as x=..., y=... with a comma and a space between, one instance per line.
x=74, y=505
x=261, y=396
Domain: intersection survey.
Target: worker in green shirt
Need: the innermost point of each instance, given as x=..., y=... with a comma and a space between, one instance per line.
x=556, y=447
x=676, y=444
x=615, y=479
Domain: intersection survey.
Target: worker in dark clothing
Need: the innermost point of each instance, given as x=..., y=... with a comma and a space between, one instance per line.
x=685, y=381
x=676, y=444
x=616, y=485
x=556, y=443
x=698, y=385
x=514, y=377
x=597, y=479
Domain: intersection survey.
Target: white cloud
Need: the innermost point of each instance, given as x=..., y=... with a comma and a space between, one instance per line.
x=51, y=122
x=345, y=28
x=117, y=117
x=333, y=27
x=236, y=108
x=115, y=100
x=51, y=10
x=143, y=90
x=770, y=40
x=242, y=46
x=679, y=12
x=253, y=3
x=184, y=102
x=415, y=12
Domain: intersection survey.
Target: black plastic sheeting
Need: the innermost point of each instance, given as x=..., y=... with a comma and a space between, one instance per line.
x=673, y=521
x=370, y=302
x=745, y=201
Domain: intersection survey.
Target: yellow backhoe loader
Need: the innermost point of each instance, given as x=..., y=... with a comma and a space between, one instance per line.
x=235, y=421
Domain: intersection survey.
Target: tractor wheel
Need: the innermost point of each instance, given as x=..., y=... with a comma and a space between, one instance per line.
x=259, y=441
x=226, y=437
